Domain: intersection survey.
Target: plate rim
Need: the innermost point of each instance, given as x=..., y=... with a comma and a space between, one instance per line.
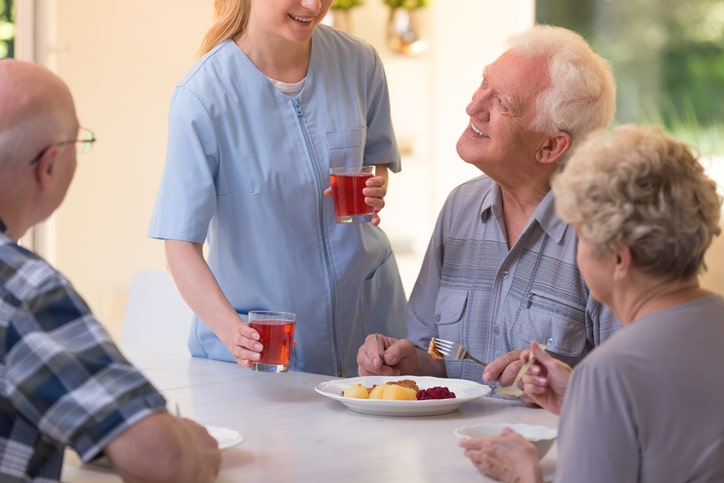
x=513, y=426
x=235, y=439
x=386, y=407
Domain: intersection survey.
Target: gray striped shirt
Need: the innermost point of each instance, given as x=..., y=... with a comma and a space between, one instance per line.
x=474, y=290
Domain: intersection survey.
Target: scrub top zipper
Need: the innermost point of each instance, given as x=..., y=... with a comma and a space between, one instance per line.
x=332, y=284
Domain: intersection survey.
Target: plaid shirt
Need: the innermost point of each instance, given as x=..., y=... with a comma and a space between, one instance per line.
x=62, y=380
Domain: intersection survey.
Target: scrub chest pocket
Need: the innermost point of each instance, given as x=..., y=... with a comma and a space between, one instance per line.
x=346, y=148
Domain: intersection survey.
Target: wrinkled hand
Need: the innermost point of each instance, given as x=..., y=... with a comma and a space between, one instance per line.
x=206, y=447
x=400, y=357
x=546, y=381
x=508, y=457
x=504, y=368
x=244, y=345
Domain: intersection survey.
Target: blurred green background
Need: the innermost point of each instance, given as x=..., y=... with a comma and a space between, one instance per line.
x=668, y=58
x=7, y=28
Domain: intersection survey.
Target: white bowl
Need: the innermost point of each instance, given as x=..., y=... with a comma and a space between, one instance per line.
x=542, y=437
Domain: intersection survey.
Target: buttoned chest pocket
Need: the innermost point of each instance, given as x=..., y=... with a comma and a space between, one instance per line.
x=449, y=311
x=553, y=321
x=346, y=147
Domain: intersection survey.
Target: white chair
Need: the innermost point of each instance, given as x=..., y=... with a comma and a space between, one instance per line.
x=157, y=318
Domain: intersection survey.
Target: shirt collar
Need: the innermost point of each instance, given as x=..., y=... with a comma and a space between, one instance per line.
x=545, y=215
x=548, y=218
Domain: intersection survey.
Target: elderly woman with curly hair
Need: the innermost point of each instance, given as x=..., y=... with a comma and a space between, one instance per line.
x=646, y=405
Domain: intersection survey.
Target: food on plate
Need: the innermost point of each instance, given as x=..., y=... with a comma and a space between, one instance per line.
x=402, y=390
x=432, y=350
x=408, y=383
x=393, y=392
x=437, y=392
x=357, y=391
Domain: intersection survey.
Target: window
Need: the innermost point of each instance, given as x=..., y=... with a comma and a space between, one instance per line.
x=7, y=28
x=668, y=59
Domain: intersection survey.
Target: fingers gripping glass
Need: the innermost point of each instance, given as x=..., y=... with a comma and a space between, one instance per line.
x=86, y=138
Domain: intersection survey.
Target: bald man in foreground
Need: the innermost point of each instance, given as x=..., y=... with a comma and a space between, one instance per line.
x=63, y=383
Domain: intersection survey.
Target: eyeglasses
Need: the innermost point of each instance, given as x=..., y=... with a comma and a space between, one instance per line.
x=86, y=138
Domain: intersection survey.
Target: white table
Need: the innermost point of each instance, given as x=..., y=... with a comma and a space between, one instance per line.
x=293, y=434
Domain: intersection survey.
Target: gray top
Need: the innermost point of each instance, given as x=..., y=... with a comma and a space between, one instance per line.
x=474, y=290
x=648, y=405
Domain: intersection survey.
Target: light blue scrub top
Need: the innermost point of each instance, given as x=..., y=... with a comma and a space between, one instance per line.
x=245, y=169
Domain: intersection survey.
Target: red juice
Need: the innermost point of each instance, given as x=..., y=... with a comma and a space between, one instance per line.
x=349, y=202
x=277, y=336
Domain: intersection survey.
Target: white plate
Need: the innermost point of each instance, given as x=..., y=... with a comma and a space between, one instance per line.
x=226, y=437
x=465, y=391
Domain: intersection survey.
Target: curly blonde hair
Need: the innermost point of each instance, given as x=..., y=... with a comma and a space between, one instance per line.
x=637, y=187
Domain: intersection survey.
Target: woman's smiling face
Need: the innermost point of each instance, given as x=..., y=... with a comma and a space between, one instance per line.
x=294, y=20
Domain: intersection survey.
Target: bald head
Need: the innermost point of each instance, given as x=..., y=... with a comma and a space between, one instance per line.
x=36, y=112
x=36, y=107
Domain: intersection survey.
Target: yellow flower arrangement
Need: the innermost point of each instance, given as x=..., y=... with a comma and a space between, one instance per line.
x=346, y=4
x=408, y=4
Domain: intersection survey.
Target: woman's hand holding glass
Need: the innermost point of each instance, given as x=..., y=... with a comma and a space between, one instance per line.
x=243, y=343
x=375, y=191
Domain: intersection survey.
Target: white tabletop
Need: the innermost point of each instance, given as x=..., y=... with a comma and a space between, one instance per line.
x=294, y=434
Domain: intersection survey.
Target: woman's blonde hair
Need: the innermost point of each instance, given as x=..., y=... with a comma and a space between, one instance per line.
x=637, y=187
x=230, y=18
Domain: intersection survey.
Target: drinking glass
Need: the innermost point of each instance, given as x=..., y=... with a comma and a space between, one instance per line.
x=276, y=331
x=349, y=202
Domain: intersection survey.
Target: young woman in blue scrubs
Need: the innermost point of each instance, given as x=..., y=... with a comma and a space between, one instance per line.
x=244, y=205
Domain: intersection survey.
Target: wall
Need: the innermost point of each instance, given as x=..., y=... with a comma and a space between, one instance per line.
x=122, y=60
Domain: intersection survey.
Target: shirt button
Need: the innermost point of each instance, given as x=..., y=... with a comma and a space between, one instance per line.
x=496, y=330
x=437, y=317
x=505, y=274
x=549, y=342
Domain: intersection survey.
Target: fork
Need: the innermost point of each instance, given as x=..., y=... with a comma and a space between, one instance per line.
x=453, y=350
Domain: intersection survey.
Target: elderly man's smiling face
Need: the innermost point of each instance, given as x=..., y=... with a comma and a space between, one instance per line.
x=498, y=139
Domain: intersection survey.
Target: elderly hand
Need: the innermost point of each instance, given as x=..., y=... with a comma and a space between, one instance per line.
x=546, y=381
x=504, y=368
x=508, y=457
x=207, y=449
x=400, y=357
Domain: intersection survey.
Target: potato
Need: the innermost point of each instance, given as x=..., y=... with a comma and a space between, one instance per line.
x=378, y=391
x=399, y=393
x=357, y=391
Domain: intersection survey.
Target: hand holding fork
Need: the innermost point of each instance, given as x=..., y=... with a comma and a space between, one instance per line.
x=453, y=350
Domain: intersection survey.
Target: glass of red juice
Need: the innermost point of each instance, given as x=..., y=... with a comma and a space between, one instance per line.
x=276, y=331
x=347, y=185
